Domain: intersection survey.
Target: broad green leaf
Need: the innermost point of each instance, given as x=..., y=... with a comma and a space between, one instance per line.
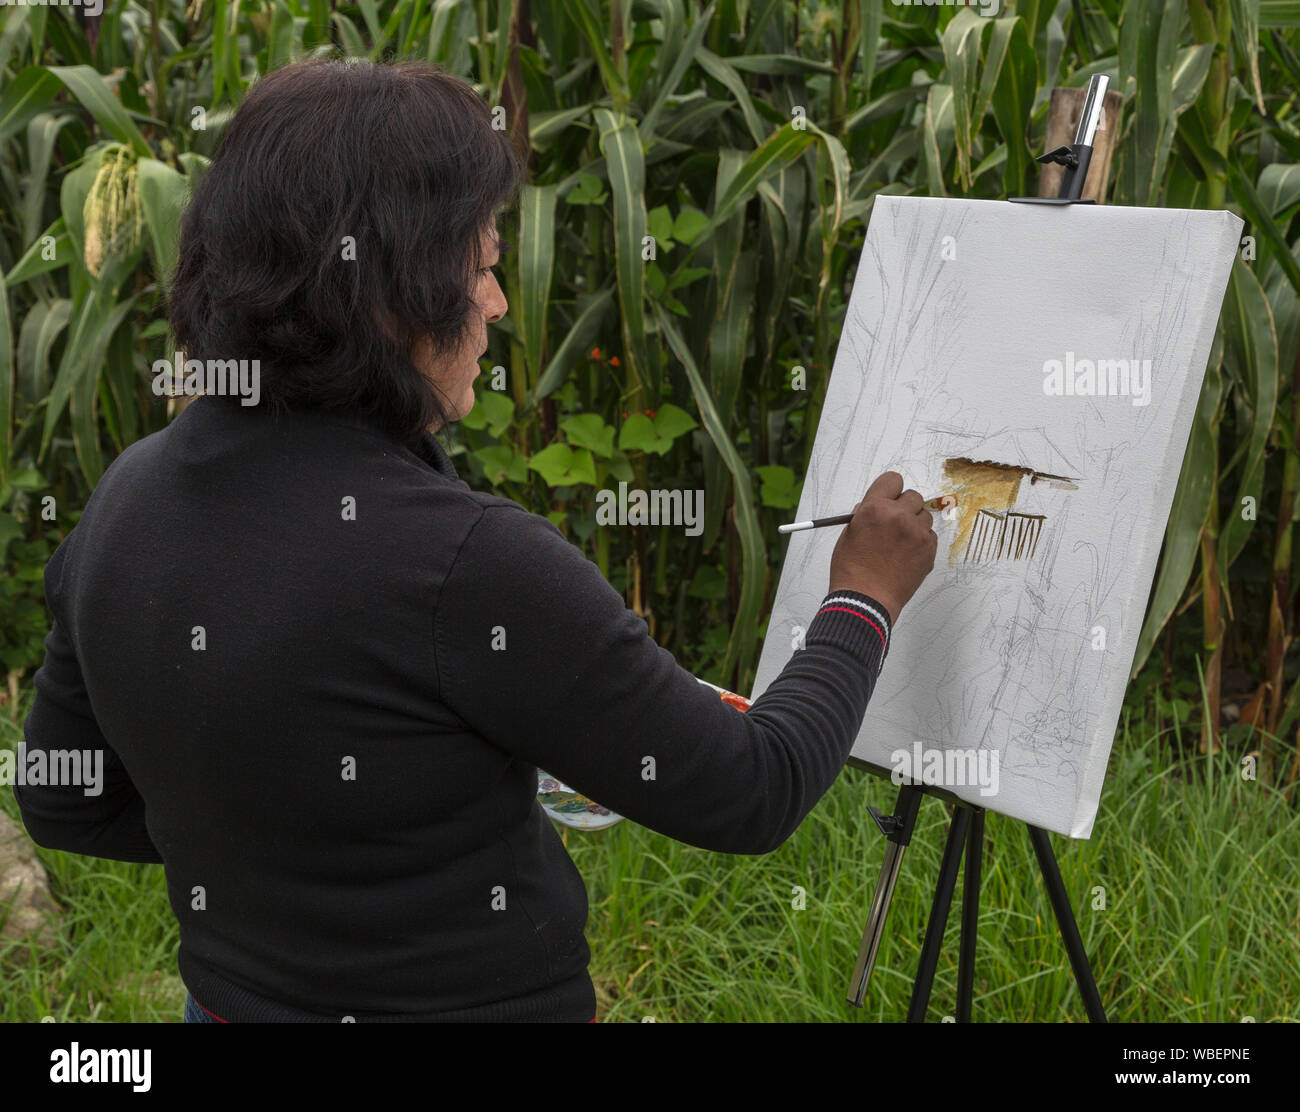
x=561, y=465
x=501, y=463
x=589, y=430
x=659, y=223
x=493, y=410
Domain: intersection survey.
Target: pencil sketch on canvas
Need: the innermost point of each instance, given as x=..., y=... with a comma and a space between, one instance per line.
x=1040, y=368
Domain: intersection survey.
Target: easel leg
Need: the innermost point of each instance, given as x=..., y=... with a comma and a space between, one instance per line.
x=1069, y=928
x=970, y=915
x=938, y=915
x=897, y=829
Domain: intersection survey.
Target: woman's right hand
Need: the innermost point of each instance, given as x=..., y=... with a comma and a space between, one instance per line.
x=888, y=548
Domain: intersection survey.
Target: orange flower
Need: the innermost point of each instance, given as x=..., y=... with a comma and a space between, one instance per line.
x=595, y=353
x=613, y=361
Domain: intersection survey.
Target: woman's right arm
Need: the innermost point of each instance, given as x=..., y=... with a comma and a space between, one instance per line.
x=539, y=655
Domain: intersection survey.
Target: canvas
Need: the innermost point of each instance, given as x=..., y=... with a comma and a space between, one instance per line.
x=1040, y=365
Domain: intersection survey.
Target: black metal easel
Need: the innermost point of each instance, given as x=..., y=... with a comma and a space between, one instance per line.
x=966, y=830
x=965, y=835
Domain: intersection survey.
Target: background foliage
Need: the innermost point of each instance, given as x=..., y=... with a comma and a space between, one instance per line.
x=749, y=138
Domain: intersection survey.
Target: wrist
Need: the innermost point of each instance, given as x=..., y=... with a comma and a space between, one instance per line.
x=883, y=599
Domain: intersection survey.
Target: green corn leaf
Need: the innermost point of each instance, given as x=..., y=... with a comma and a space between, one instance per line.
x=163, y=194
x=1251, y=347
x=1245, y=37
x=49, y=251
x=1262, y=223
x=576, y=344
x=98, y=99
x=1013, y=100
x=594, y=37
x=41, y=135
x=536, y=263
x=625, y=163
x=679, y=65
x=544, y=128
x=1279, y=190
x=26, y=95
x=937, y=136
x=744, y=630
x=780, y=149
x=961, y=52
x=45, y=321
x=94, y=322
x=7, y=383
x=1197, y=483
x=725, y=74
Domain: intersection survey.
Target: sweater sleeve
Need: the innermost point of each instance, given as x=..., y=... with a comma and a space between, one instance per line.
x=103, y=819
x=538, y=654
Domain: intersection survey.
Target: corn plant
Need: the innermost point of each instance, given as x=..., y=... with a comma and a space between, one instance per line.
x=700, y=178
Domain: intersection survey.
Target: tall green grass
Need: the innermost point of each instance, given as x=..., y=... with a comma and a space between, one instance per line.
x=1201, y=919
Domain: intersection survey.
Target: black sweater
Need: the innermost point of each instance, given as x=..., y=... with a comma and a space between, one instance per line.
x=323, y=671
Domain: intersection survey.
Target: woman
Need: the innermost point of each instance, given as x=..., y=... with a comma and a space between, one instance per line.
x=323, y=671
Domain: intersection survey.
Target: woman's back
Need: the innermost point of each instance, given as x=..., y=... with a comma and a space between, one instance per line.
x=252, y=600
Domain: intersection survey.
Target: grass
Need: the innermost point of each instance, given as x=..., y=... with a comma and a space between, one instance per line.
x=1195, y=866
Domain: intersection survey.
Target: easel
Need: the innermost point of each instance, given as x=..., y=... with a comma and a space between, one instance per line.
x=966, y=830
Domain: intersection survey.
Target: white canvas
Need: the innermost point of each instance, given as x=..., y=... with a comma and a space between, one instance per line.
x=943, y=373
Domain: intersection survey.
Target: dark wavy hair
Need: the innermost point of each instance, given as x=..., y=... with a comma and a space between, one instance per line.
x=404, y=159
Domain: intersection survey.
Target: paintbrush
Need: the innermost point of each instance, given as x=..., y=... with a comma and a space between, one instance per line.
x=942, y=502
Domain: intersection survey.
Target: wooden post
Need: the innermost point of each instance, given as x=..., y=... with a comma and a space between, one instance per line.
x=1062, y=123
